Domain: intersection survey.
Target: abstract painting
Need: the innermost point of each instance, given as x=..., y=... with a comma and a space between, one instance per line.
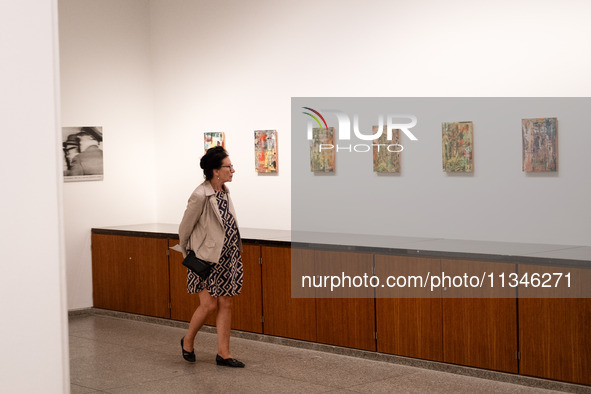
x=322, y=152
x=265, y=151
x=457, y=146
x=212, y=139
x=386, y=153
x=540, y=145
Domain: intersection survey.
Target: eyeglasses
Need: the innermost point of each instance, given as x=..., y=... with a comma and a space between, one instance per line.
x=231, y=166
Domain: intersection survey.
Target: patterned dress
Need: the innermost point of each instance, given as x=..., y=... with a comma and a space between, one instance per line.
x=226, y=277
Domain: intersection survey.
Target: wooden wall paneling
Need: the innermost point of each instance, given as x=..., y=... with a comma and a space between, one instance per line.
x=130, y=274
x=108, y=272
x=182, y=303
x=555, y=333
x=480, y=332
x=348, y=322
x=408, y=326
x=287, y=316
x=475, y=328
x=151, y=279
x=247, y=307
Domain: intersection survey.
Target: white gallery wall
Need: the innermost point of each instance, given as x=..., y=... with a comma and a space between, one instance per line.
x=33, y=334
x=157, y=74
x=106, y=80
x=217, y=67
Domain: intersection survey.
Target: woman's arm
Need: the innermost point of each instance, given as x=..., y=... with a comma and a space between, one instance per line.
x=191, y=217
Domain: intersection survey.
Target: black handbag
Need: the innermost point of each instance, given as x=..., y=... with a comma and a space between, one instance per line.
x=200, y=267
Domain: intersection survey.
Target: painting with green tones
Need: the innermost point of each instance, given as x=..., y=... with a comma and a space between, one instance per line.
x=386, y=153
x=457, y=146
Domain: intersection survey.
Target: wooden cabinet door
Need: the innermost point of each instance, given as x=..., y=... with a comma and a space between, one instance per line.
x=286, y=316
x=348, y=322
x=408, y=326
x=130, y=274
x=555, y=333
x=480, y=332
x=246, y=307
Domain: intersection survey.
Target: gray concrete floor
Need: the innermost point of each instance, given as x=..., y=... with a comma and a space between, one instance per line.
x=113, y=355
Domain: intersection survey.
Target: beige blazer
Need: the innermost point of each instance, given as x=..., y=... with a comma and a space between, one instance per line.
x=201, y=228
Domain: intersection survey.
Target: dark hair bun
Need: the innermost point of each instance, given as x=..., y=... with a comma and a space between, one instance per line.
x=212, y=160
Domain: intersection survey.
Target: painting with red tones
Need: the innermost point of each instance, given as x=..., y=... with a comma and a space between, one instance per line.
x=265, y=151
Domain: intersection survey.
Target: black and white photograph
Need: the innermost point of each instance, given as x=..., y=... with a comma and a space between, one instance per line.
x=83, y=153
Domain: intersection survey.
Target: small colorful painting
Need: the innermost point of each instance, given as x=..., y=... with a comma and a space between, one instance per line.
x=322, y=152
x=540, y=145
x=457, y=146
x=265, y=151
x=214, y=139
x=386, y=153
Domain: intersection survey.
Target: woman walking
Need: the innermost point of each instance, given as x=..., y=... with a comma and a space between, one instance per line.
x=209, y=228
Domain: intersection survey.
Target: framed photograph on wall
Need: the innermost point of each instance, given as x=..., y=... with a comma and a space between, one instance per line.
x=83, y=153
x=212, y=139
x=457, y=146
x=540, y=145
x=265, y=151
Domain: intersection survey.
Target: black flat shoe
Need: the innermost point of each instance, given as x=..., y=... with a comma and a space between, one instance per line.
x=228, y=362
x=189, y=356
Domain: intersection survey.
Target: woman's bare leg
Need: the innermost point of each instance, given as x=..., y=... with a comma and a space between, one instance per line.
x=223, y=323
x=207, y=304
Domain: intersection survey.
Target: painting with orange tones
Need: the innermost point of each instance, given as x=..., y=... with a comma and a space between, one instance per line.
x=457, y=146
x=322, y=156
x=386, y=153
x=213, y=139
x=540, y=145
x=265, y=151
